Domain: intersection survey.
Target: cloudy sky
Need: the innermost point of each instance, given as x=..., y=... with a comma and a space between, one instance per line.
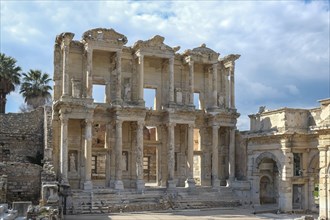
x=284, y=45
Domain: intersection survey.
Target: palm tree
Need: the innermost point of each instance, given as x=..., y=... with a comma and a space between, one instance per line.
x=9, y=78
x=35, y=88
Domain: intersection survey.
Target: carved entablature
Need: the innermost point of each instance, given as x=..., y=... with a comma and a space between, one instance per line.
x=155, y=47
x=103, y=35
x=229, y=60
x=201, y=54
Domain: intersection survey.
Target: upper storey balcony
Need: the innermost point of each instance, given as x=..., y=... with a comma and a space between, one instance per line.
x=101, y=69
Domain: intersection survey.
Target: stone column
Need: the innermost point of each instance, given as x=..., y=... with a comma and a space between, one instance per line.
x=141, y=77
x=108, y=156
x=118, y=154
x=118, y=78
x=108, y=92
x=232, y=156
x=170, y=155
x=88, y=185
x=215, y=87
x=227, y=92
x=139, y=156
x=190, y=182
x=215, y=155
x=171, y=79
x=67, y=38
x=64, y=149
x=89, y=76
x=191, y=82
x=285, y=184
x=232, y=86
x=323, y=184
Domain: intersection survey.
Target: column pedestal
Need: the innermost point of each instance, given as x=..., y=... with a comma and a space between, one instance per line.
x=119, y=185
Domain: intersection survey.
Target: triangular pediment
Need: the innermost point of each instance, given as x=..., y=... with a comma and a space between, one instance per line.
x=155, y=43
x=105, y=35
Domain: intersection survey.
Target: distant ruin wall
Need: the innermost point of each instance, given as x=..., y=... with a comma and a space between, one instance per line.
x=21, y=136
x=23, y=181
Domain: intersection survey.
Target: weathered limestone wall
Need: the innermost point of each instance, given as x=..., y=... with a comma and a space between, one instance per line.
x=21, y=135
x=23, y=183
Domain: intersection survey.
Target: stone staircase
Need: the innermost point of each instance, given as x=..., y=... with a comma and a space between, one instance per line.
x=100, y=201
x=7, y=214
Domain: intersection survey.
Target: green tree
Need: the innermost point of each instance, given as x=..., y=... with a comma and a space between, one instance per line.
x=9, y=78
x=35, y=89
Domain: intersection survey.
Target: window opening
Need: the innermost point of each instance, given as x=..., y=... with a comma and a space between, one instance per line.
x=99, y=93
x=297, y=164
x=150, y=98
x=197, y=102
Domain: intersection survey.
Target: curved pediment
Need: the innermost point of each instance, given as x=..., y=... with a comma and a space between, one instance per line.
x=202, y=54
x=105, y=35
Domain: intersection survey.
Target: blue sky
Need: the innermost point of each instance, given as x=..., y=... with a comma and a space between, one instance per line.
x=284, y=45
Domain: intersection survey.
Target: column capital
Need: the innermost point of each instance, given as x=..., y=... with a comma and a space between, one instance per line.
x=214, y=66
x=215, y=126
x=170, y=124
x=140, y=57
x=190, y=125
x=64, y=118
x=88, y=121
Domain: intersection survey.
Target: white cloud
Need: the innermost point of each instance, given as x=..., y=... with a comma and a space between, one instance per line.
x=284, y=44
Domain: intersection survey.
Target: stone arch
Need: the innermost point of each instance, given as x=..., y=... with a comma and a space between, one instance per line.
x=313, y=163
x=267, y=155
x=266, y=188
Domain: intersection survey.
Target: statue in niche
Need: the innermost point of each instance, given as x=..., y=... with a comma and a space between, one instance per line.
x=124, y=165
x=221, y=101
x=127, y=90
x=73, y=163
x=178, y=95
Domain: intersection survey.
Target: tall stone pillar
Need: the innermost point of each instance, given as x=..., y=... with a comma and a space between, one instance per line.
x=139, y=156
x=232, y=86
x=118, y=154
x=64, y=149
x=170, y=155
x=108, y=92
x=67, y=38
x=215, y=85
x=285, y=185
x=231, y=156
x=190, y=182
x=227, y=89
x=191, y=82
x=108, y=154
x=118, y=78
x=215, y=157
x=88, y=185
x=89, y=76
x=141, y=77
x=323, y=184
x=171, y=79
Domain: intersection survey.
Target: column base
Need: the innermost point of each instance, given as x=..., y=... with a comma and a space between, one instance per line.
x=119, y=185
x=216, y=183
x=230, y=182
x=140, y=186
x=190, y=183
x=88, y=185
x=171, y=184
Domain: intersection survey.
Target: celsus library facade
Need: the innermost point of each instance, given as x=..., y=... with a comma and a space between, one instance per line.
x=188, y=137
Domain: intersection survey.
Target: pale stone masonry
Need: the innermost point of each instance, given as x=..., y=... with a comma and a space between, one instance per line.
x=116, y=156
x=287, y=158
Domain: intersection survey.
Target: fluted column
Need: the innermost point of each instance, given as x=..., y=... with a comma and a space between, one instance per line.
x=232, y=86
x=139, y=156
x=88, y=155
x=191, y=82
x=67, y=38
x=64, y=150
x=170, y=155
x=215, y=85
x=190, y=182
x=118, y=78
x=141, y=76
x=89, y=76
x=232, y=156
x=215, y=157
x=118, y=154
x=171, y=79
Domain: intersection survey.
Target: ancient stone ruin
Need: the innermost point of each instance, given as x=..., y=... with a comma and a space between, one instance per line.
x=161, y=135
